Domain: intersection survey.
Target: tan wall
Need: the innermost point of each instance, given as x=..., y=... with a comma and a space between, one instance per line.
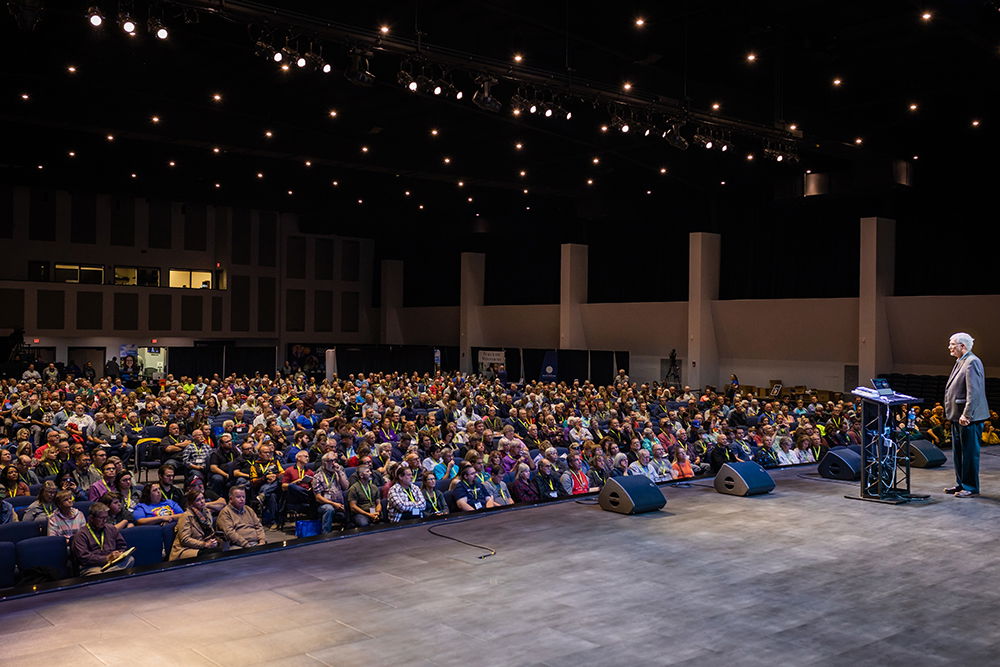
x=642, y=328
x=520, y=326
x=921, y=325
x=429, y=326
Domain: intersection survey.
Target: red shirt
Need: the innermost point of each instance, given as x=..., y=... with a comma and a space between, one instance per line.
x=293, y=475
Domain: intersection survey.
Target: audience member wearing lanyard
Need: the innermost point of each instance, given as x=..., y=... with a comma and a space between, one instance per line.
x=470, y=494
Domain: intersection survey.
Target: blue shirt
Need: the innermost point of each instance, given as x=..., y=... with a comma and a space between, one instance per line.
x=162, y=508
x=476, y=494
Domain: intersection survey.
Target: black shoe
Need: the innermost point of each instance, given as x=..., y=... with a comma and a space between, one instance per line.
x=953, y=489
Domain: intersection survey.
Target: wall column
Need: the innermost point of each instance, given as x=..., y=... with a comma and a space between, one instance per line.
x=877, y=281
x=702, y=365
x=572, y=293
x=391, y=332
x=472, y=298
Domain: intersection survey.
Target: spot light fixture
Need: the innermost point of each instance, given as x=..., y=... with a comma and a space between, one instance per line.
x=483, y=98
x=127, y=23
x=156, y=27
x=95, y=17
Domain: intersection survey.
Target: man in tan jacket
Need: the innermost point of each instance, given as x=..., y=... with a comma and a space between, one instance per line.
x=238, y=523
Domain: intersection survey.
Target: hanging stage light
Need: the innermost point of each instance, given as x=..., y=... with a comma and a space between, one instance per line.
x=406, y=80
x=483, y=98
x=357, y=70
x=156, y=27
x=127, y=23
x=95, y=17
x=704, y=140
x=675, y=138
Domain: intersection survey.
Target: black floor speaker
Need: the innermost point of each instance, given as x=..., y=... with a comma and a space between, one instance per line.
x=743, y=478
x=925, y=454
x=632, y=494
x=841, y=463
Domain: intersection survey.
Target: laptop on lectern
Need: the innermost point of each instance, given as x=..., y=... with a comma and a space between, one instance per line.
x=882, y=386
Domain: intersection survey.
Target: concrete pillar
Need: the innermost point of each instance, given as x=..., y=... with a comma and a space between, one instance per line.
x=572, y=293
x=702, y=365
x=471, y=300
x=391, y=332
x=877, y=281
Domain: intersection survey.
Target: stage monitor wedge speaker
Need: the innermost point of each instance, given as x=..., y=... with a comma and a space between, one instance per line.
x=632, y=494
x=925, y=454
x=841, y=463
x=743, y=478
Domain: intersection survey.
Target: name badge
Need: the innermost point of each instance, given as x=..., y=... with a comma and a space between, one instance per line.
x=477, y=506
x=415, y=512
x=553, y=494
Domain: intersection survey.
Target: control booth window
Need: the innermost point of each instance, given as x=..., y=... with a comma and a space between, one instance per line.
x=137, y=275
x=190, y=279
x=78, y=273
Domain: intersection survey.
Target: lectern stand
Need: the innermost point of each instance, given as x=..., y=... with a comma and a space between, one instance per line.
x=885, y=470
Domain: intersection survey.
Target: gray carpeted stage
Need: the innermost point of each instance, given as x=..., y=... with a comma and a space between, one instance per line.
x=802, y=576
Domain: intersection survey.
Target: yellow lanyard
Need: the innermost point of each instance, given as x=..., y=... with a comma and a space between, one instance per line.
x=367, y=491
x=100, y=542
x=432, y=499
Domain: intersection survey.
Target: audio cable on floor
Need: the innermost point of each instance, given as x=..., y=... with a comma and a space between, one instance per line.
x=492, y=552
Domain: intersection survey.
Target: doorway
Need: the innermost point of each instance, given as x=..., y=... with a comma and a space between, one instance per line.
x=81, y=355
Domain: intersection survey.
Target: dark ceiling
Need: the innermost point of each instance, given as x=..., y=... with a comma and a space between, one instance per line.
x=686, y=56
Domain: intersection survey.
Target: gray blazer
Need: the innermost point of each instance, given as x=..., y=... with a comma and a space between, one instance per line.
x=965, y=392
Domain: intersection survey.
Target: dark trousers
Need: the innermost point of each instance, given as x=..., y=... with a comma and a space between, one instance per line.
x=965, y=453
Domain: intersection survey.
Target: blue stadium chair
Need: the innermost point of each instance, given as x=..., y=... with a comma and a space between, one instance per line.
x=348, y=472
x=443, y=484
x=420, y=411
x=20, y=502
x=148, y=543
x=49, y=552
x=35, y=489
x=532, y=453
x=19, y=530
x=449, y=497
x=563, y=451
x=154, y=432
x=168, y=538
x=508, y=477
x=8, y=562
x=142, y=460
x=83, y=506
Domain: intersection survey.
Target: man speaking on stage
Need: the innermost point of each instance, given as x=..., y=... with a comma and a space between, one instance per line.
x=965, y=406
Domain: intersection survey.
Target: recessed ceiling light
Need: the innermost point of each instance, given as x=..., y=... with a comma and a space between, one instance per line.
x=751, y=57
x=640, y=22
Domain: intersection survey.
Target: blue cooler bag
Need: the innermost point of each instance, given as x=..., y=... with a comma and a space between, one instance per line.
x=307, y=528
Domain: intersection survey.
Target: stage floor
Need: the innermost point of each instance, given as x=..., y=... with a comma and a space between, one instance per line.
x=801, y=576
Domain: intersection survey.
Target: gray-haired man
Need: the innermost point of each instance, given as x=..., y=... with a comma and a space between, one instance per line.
x=965, y=406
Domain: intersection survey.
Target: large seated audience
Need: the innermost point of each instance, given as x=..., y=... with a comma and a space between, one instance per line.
x=218, y=463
